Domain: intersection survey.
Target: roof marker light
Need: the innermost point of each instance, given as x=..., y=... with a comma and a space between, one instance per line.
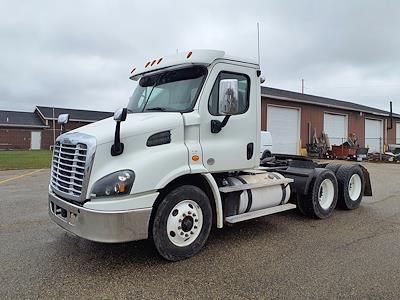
x=159, y=61
x=147, y=64
x=189, y=54
x=154, y=61
x=133, y=70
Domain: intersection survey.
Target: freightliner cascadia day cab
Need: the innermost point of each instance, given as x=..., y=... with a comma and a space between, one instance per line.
x=184, y=157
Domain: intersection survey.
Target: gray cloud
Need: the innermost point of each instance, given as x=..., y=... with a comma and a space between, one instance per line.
x=79, y=54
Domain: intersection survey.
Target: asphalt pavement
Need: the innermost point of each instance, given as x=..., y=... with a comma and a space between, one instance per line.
x=353, y=254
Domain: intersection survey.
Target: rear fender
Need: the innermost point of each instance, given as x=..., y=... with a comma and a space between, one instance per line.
x=367, y=181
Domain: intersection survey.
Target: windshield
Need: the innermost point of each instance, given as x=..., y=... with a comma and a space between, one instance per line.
x=174, y=90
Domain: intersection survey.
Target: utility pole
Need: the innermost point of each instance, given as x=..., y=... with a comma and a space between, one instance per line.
x=258, y=42
x=302, y=86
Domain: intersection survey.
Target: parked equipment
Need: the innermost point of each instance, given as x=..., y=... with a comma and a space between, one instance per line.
x=183, y=157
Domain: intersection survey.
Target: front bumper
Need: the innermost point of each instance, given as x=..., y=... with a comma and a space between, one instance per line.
x=100, y=226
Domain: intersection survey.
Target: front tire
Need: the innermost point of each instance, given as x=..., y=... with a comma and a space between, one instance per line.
x=182, y=223
x=321, y=198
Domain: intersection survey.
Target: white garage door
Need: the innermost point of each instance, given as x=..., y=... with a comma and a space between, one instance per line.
x=398, y=133
x=336, y=128
x=283, y=123
x=374, y=135
x=36, y=137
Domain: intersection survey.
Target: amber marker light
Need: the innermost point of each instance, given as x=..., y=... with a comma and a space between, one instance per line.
x=121, y=187
x=195, y=157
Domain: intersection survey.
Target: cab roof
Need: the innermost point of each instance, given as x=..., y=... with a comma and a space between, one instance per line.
x=205, y=57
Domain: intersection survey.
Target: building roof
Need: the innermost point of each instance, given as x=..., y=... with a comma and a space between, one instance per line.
x=317, y=100
x=74, y=114
x=20, y=119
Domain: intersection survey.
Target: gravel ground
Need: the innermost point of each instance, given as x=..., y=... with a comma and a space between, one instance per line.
x=353, y=254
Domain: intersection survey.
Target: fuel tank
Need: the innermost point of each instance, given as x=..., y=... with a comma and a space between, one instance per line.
x=269, y=195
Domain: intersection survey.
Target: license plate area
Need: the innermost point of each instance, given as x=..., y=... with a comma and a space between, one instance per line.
x=63, y=213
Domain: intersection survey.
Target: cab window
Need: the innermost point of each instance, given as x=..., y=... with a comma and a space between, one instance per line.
x=243, y=96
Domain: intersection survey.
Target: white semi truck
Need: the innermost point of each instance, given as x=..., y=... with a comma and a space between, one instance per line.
x=184, y=157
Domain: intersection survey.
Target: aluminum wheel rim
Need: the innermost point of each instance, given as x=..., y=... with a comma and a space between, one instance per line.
x=326, y=194
x=354, y=187
x=184, y=223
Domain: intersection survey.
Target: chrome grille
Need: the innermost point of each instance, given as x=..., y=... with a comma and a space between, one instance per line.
x=72, y=159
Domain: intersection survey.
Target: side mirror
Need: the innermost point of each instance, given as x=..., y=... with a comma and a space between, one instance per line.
x=63, y=119
x=228, y=102
x=119, y=116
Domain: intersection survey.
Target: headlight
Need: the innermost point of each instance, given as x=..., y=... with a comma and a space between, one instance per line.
x=114, y=184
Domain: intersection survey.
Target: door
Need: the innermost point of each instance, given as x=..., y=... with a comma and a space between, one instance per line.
x=336, y=128
x=36, y=137
x=398, y=133
x=234, y=147
x=374, y=135
x=284, y=125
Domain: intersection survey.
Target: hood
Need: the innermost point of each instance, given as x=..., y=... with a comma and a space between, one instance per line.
x=135, y=124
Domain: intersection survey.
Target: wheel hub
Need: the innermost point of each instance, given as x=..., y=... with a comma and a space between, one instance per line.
x=184, y=223
x=326, y=194
x=187, y=224
x=355, y=187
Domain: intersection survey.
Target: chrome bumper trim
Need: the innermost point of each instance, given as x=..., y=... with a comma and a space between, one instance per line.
x=100, y=226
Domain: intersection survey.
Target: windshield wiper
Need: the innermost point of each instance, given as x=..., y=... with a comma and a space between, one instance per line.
x=156, y=108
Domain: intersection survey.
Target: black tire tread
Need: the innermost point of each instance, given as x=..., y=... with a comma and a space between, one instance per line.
x=161, y=241
x=308, y=204
x=343, y=176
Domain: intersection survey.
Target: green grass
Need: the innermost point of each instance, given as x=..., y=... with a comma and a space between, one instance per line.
x=25, y=159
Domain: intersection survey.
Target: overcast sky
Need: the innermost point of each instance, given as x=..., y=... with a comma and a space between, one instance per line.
x=78, y=54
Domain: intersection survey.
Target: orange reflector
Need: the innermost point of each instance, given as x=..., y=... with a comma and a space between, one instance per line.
x=159, y=61
x=133, y=70
x=121, y=187
x=195, y=157
x=147, y=64
x=189, y=54
x=154, y=61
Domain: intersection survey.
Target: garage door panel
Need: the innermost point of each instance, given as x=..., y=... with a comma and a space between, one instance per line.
x=374, y=135
x=398, y=133
x=336, y=128
x=283, y=124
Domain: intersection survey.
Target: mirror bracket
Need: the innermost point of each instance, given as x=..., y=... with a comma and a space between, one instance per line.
x=118, y=148
x=216, y=125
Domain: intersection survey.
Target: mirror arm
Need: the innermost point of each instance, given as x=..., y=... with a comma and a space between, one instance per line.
x=118, y=147
x=216, y=125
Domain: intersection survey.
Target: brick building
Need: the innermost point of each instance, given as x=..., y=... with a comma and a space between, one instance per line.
x=38, y=129
x=292, y=117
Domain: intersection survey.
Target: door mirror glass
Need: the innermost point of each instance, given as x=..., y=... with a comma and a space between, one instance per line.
x=63, y=119
x=228, y=102
x=120, y=114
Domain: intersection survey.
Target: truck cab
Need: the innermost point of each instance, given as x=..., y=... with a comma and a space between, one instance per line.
x=183, y=156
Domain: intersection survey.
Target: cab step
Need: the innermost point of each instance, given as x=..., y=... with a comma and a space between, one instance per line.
x=259, y=213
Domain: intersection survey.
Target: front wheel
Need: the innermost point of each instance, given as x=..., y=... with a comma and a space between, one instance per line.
x=182, y=223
